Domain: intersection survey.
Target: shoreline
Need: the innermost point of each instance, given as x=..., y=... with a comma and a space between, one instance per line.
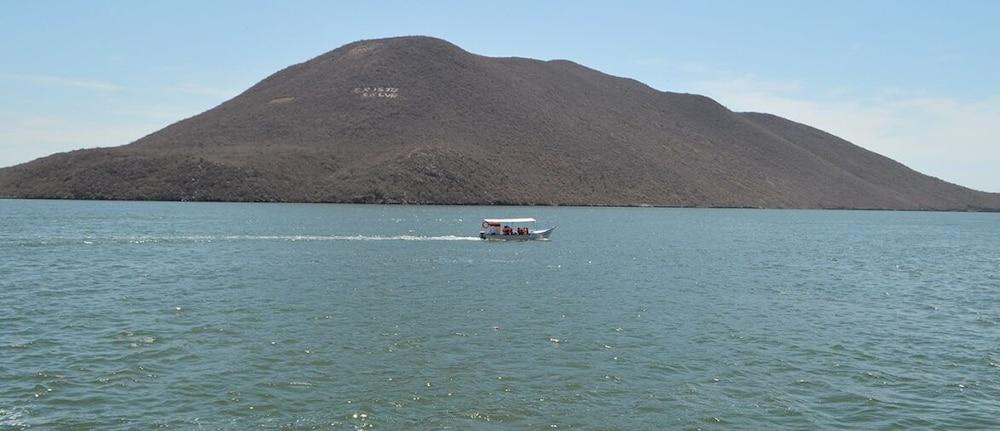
x=507, y=204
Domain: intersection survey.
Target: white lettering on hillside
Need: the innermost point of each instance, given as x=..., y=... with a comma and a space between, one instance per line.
x=364, y=49
x=383, y=92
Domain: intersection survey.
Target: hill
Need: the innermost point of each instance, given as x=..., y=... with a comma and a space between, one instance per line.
x=419, y=120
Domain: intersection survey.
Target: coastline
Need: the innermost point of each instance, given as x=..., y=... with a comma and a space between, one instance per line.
x=511, y=204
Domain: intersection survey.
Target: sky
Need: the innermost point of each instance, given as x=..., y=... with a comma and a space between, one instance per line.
x=917, y=81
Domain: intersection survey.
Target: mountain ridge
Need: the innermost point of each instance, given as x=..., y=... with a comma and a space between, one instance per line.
x=419, y=120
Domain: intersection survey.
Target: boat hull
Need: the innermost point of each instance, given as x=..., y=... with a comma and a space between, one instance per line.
x=533, y=235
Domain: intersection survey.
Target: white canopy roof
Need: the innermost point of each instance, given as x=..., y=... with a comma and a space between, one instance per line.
x=509, y=220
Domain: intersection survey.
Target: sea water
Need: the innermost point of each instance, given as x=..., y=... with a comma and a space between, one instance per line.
x=141, y=315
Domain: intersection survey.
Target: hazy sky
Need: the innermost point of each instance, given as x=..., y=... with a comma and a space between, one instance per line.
x=916, y=81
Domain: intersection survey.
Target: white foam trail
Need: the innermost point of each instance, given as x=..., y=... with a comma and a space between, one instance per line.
x=301, y=238
x=357, y=238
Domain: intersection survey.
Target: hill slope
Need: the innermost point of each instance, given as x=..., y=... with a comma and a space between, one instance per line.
x=419, y=120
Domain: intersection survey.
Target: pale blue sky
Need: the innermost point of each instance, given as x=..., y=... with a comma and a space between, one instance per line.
x=916, y=81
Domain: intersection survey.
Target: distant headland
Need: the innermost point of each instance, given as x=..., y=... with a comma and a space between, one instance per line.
x=418, y=120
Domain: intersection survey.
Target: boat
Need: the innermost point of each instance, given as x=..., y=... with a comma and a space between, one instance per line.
x=508, y=229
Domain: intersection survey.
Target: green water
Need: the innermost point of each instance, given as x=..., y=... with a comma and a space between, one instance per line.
x=125, y=315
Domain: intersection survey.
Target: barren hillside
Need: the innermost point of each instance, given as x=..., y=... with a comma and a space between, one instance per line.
x=419, y=120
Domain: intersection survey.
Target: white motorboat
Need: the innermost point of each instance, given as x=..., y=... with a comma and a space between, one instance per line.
x=512, y=229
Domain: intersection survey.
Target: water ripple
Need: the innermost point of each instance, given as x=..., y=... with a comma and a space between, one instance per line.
x=138, y=316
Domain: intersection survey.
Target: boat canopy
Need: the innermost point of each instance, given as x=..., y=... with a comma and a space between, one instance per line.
x=509, y=220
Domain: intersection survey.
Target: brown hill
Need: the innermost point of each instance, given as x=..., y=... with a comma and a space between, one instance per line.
x=419, y=120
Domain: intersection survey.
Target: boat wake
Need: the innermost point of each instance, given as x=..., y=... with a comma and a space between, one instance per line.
x=153, y=239
x=209, y=238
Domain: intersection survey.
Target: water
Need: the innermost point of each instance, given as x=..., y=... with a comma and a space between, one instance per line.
x=117, y=315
